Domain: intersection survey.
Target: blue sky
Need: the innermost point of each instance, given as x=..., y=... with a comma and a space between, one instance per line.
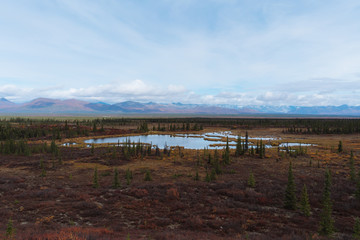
x=282, y=52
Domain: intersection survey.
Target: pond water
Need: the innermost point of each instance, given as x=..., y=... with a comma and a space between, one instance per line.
x=69, y=144
x=295, y=144
x=188, y=141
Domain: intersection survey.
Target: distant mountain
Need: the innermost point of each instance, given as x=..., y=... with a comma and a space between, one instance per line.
x=313, y=110
x=4, y=103
x=47, y=105
x=73, y=106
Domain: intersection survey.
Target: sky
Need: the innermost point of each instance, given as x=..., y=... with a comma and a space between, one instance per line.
x=237, y=52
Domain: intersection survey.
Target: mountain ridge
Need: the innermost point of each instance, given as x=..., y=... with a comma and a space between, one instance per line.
x=58, y=106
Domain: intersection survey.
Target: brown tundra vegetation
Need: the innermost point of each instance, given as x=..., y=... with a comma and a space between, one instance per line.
x=133, y=191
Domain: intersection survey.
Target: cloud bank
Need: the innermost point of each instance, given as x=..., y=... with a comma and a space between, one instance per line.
x=227, y=52
x=139, y=90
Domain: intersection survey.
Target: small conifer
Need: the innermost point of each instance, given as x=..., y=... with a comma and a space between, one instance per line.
x=304, y=202
x=213, y=175
x=290, y=197
x=340, y=147
x=197, y=178
x=116, y=179
x=128, y=176
x=95, y=179
x=251, y=180
x=352, y=167
x=207, y=177
x=357, y=228
x=147, y=176
x=327, y=222
x=357, y=192
x=10, y=230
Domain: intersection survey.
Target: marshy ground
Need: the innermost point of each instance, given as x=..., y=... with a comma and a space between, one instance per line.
x=53, y=197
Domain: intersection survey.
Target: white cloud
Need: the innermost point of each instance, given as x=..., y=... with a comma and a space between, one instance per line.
x=139, y=90
x=252, y=52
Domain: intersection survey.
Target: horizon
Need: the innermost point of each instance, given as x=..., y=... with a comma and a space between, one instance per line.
x=147, y=102
x=222, y=52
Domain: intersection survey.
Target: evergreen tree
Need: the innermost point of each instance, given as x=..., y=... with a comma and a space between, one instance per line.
x=326, y=222
x=95, y=179
x=251, y=180
x=252, y=151
x=92, y=148
x=352, y=167
x=340, y=147
x=263, y=149
x=43, y=171
x=304, y=202
x=227, y=152
x=227, y=148
x=116, y=179
x=357, y=192
x=246, y=141
x=213, y=175
x=147, y=176
x=216, y=164
x=238, y=150
x=128, y=176
x=357, y=228
x=10, y=230
x=197, y=178
x=290, y=197
x=207, y=177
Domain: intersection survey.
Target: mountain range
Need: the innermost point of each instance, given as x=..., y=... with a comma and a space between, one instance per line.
x=72, y=106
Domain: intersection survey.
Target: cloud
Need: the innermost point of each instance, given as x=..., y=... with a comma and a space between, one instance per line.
x=138, y=90
x=251, y=52
x=117, y=91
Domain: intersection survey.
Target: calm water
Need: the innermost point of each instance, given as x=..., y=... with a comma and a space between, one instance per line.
x=188, y=141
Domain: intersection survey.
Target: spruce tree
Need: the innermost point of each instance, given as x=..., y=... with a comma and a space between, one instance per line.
x=43, y=171
x=251, y=180
x=128, y=176
x=197, y=178
x=326, y=222
x=147, y=176
x=207, y=177
x=356, y=234
x=10, y=230
x=246, y=141
x=290, y=197
x=352, y=167
x=238, y=150
x=357, y=192
x=216, y=165
x=95, y=179
x=304, y=202
x=116, y=179
x=340, y=147
x=213, y=175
